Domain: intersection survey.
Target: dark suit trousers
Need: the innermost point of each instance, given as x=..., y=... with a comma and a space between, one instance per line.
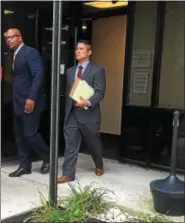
x=28, y=138
x=73, y=133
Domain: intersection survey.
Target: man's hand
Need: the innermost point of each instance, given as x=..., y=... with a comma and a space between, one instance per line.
x=29, y=106
x=82, y=103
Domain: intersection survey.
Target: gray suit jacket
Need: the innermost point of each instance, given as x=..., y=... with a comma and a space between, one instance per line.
x=95, y=77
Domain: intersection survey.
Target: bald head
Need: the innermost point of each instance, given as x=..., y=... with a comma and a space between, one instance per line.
x=14, y=30
x=13, y=38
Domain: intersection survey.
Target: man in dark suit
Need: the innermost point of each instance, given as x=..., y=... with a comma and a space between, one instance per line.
x=80, y=122
x=27, y=102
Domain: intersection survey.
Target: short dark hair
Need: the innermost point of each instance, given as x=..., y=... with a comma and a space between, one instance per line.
x=85, y=42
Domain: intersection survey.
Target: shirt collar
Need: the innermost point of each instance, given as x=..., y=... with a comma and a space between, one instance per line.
x=84, y=64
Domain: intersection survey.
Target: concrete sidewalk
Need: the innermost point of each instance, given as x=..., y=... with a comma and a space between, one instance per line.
x=130, y=185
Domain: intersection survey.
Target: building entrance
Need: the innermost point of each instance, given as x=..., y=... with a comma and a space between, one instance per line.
x=138, y=107
x=77, y=23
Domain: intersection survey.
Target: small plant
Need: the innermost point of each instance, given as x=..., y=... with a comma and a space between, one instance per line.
x=89, y=199
x=82, y=204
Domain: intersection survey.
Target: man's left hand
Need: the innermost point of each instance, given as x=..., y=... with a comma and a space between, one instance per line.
x=82, y=103
x=29, y=106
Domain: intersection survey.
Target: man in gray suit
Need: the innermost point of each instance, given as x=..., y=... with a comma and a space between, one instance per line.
x=80, y=122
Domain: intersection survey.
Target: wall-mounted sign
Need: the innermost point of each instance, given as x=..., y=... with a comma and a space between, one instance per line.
x=141, y=59
x=140, y=82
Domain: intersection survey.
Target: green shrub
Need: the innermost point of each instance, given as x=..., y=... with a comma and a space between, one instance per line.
x=81, y=204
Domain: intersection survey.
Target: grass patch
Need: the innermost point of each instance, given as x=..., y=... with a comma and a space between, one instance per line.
x=89, y=200
x=82, y=204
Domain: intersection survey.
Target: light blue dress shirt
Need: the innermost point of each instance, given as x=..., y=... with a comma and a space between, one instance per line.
x=84, y=65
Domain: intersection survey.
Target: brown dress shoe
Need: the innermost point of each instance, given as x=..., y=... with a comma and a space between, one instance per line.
x=64, y=179
x=99, y=172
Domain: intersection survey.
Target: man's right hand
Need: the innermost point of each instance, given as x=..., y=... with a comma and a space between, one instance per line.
x=29, y=106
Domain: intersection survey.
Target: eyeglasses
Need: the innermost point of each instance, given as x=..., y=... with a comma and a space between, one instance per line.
x=10, y=37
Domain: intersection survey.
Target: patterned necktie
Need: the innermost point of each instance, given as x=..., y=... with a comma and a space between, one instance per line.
x=79, y=74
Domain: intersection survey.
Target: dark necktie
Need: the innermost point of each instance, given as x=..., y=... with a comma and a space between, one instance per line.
x=79, y=74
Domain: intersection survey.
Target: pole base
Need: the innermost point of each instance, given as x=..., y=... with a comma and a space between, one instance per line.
x=168, y=196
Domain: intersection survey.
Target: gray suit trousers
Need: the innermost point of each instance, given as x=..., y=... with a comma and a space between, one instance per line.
x=73, y=133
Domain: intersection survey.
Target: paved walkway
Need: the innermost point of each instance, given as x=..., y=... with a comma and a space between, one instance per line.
x=129, y=183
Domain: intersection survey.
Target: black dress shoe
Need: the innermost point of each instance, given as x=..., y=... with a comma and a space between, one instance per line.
x=45, y=168
x=20, y=172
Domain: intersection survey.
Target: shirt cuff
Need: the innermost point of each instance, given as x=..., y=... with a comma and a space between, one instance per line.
x=89, y=104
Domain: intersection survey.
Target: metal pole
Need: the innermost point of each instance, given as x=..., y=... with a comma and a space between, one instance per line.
x=176, y=115
x=58, y=80
x=55, y=96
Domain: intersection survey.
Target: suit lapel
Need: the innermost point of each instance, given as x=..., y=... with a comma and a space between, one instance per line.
x=20, y=52
x=87, y=71
x=73, y=74
x=18, y=57
x=85, y=74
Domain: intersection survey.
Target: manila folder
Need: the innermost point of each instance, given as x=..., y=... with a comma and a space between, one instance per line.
x=81, y=88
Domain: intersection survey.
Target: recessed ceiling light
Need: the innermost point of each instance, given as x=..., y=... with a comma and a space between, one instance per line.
x=106, y=4
x=84, y=27
x=7, y=12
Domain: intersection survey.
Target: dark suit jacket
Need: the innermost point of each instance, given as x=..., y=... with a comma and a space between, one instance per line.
x=28, y=79
x=95, y=77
